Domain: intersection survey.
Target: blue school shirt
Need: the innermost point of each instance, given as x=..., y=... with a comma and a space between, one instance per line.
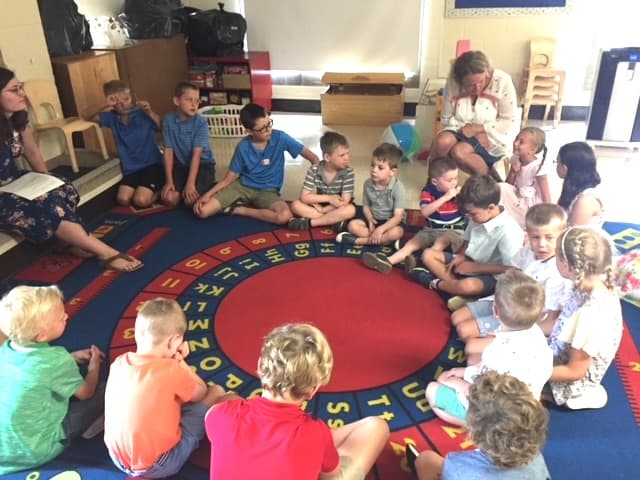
x=264, y=169
x=184, y=135
x=136, y=142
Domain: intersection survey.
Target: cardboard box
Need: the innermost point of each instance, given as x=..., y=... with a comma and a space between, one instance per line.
x=362, y=98
x=236, y=80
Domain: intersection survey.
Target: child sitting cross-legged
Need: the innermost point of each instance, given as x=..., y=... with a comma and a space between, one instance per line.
x=155, y=403
x=475, y=322
x=491, y=239
x=251, y=186
x=383, y=202
x=46, y=403
x=327, y=193
x=271, y=436
x=519, y=348
x=508, y=426
x=444, y=220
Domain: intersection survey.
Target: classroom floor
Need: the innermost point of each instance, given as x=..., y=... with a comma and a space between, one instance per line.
x=618, y=167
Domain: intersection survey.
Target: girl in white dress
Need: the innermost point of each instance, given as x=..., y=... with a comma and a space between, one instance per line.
x=526, y=183
x=587, y=334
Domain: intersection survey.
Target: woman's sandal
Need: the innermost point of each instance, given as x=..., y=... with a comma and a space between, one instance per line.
x=111, y=263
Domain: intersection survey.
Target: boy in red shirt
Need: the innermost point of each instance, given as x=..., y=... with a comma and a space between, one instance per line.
x=154, y=403
x=272, y=435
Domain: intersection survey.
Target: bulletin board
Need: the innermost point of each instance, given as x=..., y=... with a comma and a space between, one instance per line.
x=499, y=8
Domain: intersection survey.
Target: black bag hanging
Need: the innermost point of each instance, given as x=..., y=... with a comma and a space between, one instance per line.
x=66, y=30
x=216, y=33
x=153, y=18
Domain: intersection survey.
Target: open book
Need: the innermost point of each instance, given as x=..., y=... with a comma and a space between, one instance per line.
x=32, y=184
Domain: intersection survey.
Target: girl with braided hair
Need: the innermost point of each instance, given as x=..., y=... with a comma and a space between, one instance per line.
x=587, y=333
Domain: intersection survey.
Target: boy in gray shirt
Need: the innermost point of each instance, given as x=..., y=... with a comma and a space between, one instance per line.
x=383, y=200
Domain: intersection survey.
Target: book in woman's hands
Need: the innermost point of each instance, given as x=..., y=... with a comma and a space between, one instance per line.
x=32, y=184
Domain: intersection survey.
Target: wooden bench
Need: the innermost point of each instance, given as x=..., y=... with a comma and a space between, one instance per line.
x=89, y=186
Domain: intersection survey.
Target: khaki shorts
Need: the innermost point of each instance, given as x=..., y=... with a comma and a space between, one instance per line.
x=427, y=236
x=238, y=192
x=349, y=470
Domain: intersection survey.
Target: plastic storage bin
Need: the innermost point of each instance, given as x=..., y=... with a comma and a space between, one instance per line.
x=223, y=120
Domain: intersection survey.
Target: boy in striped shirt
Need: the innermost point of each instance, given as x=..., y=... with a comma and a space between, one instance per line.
x=327, y=194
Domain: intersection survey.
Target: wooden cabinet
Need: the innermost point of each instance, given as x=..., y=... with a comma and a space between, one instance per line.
x=233, y=79
x=79, y=79
x=152, y=68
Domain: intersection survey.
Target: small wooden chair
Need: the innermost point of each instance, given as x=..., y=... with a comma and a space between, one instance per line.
x=47, y=115
x=544, y=87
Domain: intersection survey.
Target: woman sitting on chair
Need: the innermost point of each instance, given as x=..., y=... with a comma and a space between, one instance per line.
x=52, y=214
x=478, y=115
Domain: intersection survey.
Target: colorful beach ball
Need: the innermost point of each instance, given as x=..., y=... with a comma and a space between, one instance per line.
x=403, y=136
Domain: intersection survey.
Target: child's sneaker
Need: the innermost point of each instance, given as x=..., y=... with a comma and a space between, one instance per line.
x=347, y=238
x=594, y=397
x=377, y=261
x=228, y=210
x=411, y=454
x=298, y=223
x=422, y=276
x=339, y=227
x=410, y=263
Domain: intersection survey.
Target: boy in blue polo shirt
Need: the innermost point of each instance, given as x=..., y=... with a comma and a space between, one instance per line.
x=189, y=164
x=252, y=185
x=133, y=127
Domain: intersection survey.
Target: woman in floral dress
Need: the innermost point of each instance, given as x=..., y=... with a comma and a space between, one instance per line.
x=52, y=214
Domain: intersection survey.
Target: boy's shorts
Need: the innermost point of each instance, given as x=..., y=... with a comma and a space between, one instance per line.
x=151, y=177
x=238, y=192
x=427, y=237
x=447, y=399
x=477, y=148
x=379, y=221
x=205, y=180
x=172, y=461
x=482, y=312
x=488, y=280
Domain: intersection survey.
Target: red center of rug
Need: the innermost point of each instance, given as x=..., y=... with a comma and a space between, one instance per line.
x=381, y=328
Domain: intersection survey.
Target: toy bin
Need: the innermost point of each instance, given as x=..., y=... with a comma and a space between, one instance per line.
x=223, y=120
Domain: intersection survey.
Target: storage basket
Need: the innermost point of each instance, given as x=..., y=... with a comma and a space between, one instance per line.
x=223, y=120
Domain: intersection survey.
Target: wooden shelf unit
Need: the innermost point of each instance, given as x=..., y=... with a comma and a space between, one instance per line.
x=258, y=66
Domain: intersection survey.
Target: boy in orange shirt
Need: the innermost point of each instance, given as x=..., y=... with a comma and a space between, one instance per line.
x=154, y=403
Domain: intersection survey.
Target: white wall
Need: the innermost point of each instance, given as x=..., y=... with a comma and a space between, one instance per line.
x=20, y=20
x=589, y=26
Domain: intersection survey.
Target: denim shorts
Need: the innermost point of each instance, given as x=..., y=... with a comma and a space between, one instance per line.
x=482, y=312
x=477, y=148
x=172, y=461
x=488, y=280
